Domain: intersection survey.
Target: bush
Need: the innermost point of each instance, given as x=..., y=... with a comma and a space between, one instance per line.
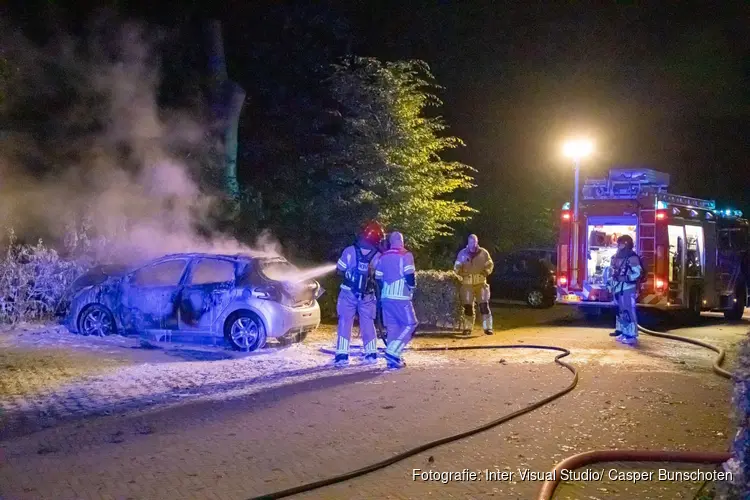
x=33, y=279
x=436, y=299
x=328, y=300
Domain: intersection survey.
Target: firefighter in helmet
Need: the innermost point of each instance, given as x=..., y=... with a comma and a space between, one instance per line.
x=473, y=265
x=626, y=275
x=357, y=295
x=394, y=273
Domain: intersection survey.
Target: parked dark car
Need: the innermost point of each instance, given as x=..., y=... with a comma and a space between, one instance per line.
x=241, y=299
x=520, y=276
x=549, y=254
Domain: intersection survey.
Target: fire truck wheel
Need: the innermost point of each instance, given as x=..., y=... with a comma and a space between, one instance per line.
x=736, y=312
x=696, y=299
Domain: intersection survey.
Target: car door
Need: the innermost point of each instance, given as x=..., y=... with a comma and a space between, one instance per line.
x=150, y=295
x=504, y=287
x=206, y=293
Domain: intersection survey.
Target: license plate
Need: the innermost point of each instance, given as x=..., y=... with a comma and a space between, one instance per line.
x=571, y=298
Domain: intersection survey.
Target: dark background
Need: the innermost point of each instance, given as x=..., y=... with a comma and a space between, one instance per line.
x=658, y=86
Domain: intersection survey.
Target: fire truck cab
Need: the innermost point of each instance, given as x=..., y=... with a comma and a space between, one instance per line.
x=695, y=257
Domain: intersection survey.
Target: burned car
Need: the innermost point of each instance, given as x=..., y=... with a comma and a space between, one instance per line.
x=241, y=299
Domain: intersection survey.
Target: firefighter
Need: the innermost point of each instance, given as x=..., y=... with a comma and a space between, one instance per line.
x=394, y=272
x=473, y=265
x=357, y=294
x=627, y=273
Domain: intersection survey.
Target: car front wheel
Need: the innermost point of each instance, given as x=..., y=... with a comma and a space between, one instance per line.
x=97, y=320
x=245, y=331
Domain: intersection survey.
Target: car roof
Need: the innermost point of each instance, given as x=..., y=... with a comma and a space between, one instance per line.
x=235, y=257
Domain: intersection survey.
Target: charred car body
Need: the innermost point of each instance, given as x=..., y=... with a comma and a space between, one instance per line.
x=241, y=299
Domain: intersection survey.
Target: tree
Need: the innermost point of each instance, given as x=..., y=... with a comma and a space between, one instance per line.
x=226, y=99
x=387, y=153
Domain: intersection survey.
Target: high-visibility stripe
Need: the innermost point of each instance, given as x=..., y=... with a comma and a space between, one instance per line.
x=395, y=290
x=342, y=346
x=371, y=347
x=394, y=347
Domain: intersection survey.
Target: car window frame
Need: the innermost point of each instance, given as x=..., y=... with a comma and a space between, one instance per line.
x=132, y=278
x=194, y=265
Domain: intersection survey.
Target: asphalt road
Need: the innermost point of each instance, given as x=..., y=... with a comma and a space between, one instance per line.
x=660, y=395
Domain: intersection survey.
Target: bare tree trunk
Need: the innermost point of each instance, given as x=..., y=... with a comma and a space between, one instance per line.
x=227, y=99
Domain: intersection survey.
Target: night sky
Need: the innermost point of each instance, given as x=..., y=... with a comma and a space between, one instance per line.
x=665, y=87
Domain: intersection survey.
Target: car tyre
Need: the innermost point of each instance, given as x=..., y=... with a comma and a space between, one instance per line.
x=96, y=320
x=738, y=310
x=535, y=298
x=695, y=305
x=245, y=331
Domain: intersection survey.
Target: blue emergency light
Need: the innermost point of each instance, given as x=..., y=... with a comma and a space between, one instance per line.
x=729, y=213
x=566, y=205
x=661, y=205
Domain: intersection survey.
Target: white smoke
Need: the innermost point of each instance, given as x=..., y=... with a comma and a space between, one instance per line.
x=108, y=151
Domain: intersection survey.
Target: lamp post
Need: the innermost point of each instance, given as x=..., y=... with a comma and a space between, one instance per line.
x=576, y=150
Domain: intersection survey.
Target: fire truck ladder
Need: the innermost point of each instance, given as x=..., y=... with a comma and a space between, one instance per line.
x=647, y=240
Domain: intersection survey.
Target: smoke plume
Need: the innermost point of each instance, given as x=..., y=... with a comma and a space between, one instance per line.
x=86, y=150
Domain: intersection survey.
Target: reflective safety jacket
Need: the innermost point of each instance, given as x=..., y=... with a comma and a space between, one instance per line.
x=358, y=270
x=394, y=272
x=473, y=268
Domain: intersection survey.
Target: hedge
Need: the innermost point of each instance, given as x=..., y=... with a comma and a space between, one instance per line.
x=33, y=279
x=436, y=299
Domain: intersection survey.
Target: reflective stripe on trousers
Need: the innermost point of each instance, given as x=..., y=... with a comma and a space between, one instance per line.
x=626, y=321
x=400, y=322
x=347, y=308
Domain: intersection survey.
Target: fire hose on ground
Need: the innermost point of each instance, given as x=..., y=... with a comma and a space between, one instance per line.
x=570, y=463
x=599, y=456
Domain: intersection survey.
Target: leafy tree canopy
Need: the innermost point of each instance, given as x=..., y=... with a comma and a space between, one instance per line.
x=373, y=152
x=391, y=148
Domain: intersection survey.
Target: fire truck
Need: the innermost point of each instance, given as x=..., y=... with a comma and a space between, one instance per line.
x=695, y=256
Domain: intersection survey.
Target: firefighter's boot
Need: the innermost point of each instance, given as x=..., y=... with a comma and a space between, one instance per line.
x=341, y=360
x=468, y=319
x=394, y=362
x=484, y=309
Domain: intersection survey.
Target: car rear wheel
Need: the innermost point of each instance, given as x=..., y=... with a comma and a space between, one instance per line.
x=536, y=299
x=96, y=320
x=245, y=331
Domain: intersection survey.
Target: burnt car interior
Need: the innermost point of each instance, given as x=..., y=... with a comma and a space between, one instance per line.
x=172, y=295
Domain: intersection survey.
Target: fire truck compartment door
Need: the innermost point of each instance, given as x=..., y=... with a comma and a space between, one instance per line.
x=601, y=244
x=710, y=289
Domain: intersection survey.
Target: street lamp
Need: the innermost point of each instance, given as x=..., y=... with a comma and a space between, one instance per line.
x=576, y=150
